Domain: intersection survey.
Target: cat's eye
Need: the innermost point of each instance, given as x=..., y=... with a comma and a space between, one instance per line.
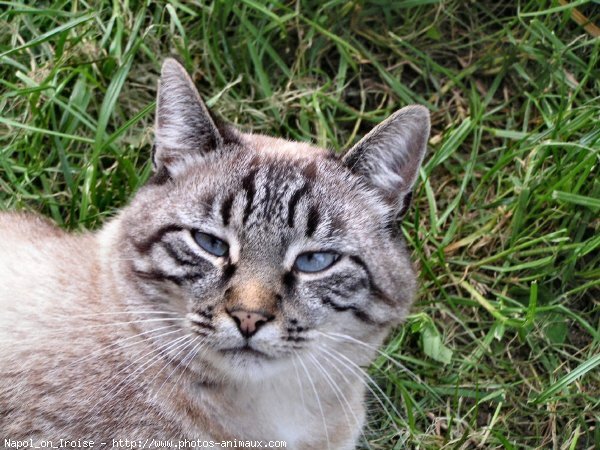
x=311, y=262
x=211, y=244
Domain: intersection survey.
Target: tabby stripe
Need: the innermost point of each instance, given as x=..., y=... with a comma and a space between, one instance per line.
x=329, y=302
x=375, y=290
x=295, y=339
x=250, y=188
x=183, y=258
x=226, y=209
x=203, y=325
x=294, y=199
x=339, y=286
x=159, y=177
x=228, y=272
x=205, y=314
x=203, y=334
x=310, y=171
x=359, y=314
x=265, y=202
x=209, y=201
x=279, y=299
x=159, y=275
x=289, y=280
x=145, y=245
x=313, y=221
x=197, y=258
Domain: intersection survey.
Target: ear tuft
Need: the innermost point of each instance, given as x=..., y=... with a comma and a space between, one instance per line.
x=184, y=129
x=390, y=155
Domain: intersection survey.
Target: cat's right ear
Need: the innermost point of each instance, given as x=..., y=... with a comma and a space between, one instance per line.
x=184, y=130
x=389, y=157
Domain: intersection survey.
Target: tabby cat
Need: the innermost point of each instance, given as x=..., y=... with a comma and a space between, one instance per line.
x=238, y=296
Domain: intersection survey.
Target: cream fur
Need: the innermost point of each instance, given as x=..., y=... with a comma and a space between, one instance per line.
x=128, y=333
x=55, y=292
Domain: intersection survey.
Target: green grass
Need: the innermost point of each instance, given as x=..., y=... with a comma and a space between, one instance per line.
x=502, y=348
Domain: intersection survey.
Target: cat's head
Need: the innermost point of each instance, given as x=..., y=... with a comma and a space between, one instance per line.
x=271, y=250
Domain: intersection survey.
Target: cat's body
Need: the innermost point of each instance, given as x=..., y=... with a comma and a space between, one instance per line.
x=197, y=312
x=55, y=383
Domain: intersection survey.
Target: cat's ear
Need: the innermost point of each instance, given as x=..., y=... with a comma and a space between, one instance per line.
x=184, y=130
x=390, y=155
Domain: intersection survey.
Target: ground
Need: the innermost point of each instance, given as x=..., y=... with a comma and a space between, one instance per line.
x=501, y=350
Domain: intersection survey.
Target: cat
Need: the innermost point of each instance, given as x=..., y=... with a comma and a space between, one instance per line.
x=239, y=295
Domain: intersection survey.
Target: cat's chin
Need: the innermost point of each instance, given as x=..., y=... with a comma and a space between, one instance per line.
x=246, y=364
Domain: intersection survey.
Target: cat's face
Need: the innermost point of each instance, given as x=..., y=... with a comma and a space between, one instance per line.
x=272, y=251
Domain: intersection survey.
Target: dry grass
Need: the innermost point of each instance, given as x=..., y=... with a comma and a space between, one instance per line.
x=502, y=348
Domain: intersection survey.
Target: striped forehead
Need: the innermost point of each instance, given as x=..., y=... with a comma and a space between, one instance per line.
x=278, y=194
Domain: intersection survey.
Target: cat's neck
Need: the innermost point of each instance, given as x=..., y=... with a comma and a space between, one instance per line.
x=282, y=407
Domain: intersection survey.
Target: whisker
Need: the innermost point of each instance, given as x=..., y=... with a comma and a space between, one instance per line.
x=193, y=354
x=337, y=391
x=106, y=313
x=314, y=389
x=361, y=375
x=161, y=319
x=187, y=344
x=123, y=383
x=102, y=350
x=300, y=385
x=401, y=366
x=190, y=343
x=102, y=325
x=345, y=378
x=178, y=343
x=65, y=328
x=395, y=362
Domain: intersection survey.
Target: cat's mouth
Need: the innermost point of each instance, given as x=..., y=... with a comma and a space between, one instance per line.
x=245, y=350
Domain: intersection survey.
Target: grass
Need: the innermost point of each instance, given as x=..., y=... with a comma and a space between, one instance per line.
x=502, y=348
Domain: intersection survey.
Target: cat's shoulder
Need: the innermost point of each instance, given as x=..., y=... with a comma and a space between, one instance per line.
x=32, y=247
x=21, y=223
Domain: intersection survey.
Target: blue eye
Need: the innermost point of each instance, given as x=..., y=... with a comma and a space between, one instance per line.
x=211, y=244
x=315, y=261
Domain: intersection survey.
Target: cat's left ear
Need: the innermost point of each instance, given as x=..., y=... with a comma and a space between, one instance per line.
x=390, y=155
x=184, y=130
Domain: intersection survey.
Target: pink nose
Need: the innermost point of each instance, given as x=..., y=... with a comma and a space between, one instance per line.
x=248, y=322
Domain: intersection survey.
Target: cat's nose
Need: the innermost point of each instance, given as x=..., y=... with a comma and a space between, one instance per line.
x=248, y=322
